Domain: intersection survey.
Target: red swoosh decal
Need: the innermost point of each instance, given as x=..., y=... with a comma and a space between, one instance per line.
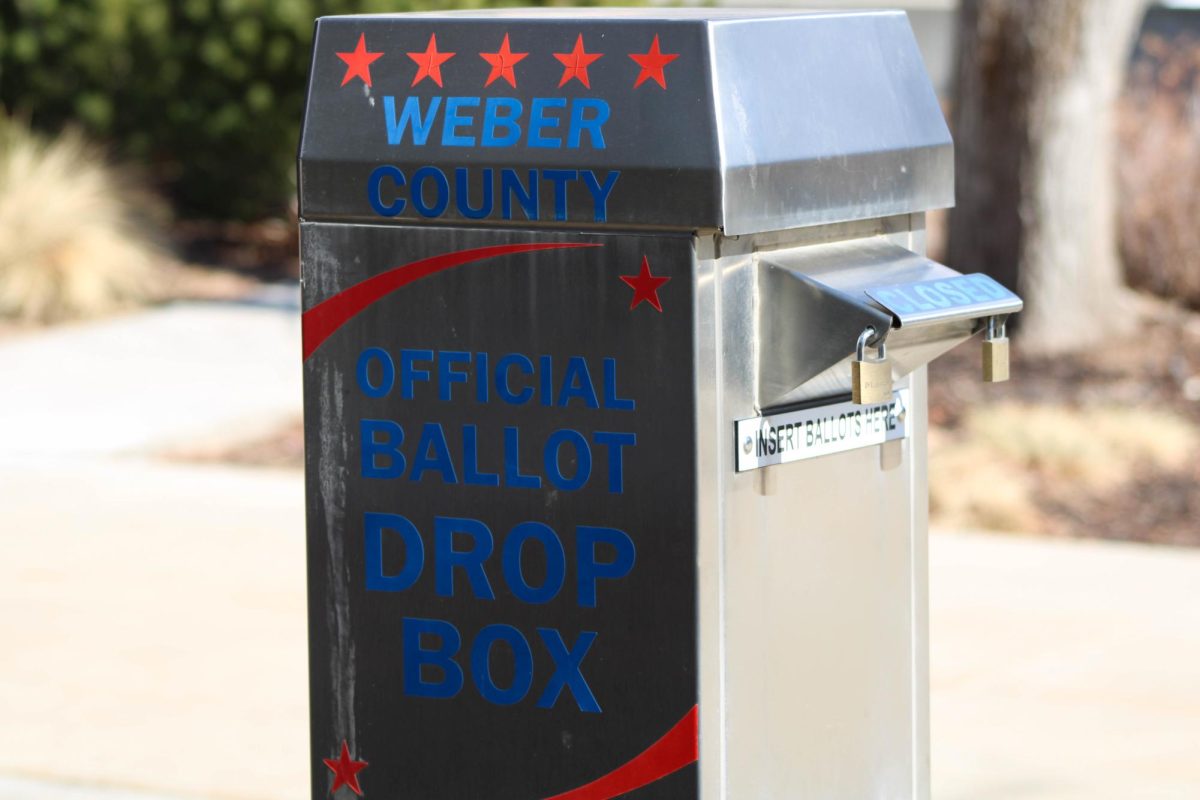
x=320, y=321
x=679, y=747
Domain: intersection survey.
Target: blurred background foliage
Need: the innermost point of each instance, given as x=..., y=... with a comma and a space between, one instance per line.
x=206, y=94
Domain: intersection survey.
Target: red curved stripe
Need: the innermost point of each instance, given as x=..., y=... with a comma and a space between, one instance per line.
x=679, y=747
x=320, y=321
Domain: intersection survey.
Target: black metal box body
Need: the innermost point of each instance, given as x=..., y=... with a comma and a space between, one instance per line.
x=501, y=508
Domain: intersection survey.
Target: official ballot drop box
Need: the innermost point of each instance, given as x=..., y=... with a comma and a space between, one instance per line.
x=591, y=510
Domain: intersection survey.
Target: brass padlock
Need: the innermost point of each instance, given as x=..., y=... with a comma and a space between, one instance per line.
x=995, y=351
x=871, y=381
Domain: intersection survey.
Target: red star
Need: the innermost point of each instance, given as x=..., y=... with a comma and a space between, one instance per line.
x=576, y=63
x=429, y=63
x=502, y=62
x=358, y=62
x=652, y=63
x=345, y=771
x=645, y=286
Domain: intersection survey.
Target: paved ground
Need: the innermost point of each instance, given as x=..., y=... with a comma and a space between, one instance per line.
x=191, y=371
x=154, y=629
x=153, y=622
x=1064, y=670
x=152, y=615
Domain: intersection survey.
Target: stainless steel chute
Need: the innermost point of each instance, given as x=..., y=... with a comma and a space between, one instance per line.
x=813, y=302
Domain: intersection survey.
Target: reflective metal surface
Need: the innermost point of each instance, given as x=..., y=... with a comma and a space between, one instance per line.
x=813, y=649
x=826, y=118
x=807, y=335
x=805, y=327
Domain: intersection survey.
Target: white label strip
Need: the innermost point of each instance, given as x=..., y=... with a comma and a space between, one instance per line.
x=819, y=431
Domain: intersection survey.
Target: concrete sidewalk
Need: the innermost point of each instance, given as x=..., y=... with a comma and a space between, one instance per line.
x=150, y=381
x=153, y=625
x=1064, y=669
x=152, y=615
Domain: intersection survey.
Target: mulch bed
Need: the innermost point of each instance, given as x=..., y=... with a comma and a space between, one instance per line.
x=1155, y=367
x=267, y=250
x=281, y=449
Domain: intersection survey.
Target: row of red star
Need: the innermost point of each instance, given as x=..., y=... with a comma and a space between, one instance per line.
x=575, y=63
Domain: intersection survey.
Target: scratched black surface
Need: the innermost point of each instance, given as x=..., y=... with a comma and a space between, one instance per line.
x=642, y=667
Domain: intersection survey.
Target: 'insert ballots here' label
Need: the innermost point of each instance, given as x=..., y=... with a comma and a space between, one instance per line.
x=820, y=431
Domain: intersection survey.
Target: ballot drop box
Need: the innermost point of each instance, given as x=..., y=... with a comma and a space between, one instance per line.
x=615, y=325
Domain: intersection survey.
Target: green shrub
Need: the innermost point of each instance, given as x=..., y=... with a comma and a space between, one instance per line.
x=208, y=94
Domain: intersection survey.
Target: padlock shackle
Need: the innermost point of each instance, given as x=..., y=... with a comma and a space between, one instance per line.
x=869, y=338
x=996, y=326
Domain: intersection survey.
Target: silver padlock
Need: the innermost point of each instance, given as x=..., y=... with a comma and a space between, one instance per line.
x=871, y=381
x=995, y=351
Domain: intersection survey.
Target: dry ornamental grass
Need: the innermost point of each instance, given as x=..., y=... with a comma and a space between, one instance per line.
x=73, y=243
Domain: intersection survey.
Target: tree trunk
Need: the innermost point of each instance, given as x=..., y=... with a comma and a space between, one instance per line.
x=1035, y=132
